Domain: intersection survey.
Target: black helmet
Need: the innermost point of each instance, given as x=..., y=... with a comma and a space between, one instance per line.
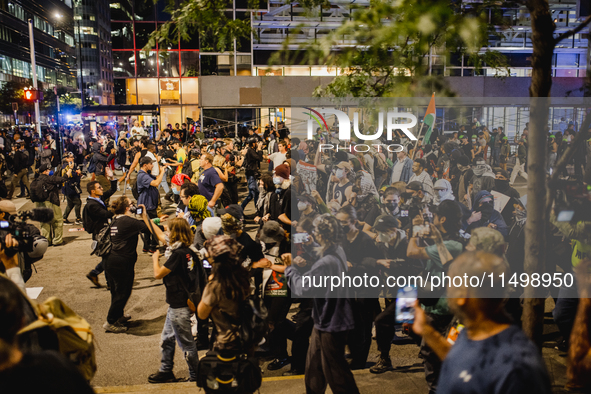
x=218, y=145
x=252, y=140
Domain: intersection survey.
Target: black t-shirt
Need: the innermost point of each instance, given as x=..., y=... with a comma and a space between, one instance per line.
x=124, y=236
x=361, y=247
x=251, y=249
x=43, y=372
x=177, y=281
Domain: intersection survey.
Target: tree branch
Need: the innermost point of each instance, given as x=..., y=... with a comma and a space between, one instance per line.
x=573, y=31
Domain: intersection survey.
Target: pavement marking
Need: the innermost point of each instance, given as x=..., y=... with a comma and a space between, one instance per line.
x=171, y=386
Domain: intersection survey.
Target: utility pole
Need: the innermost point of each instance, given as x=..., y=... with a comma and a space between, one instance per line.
x=80, y=64
x=34, y=67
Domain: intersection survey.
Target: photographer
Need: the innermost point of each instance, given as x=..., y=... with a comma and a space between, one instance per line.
x=445, y=231
x=72, y=188
x=20, y=170
x=32, y=249
x=10, y=264
x=45, y=194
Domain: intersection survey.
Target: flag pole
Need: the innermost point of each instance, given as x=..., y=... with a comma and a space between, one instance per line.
x=421, y=130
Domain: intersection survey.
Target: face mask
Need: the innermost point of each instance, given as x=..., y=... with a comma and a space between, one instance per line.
x=175, y=191
x=277, y=180
x=340, y=173
x=302, y=206
x=487, y=211
x=501, y=184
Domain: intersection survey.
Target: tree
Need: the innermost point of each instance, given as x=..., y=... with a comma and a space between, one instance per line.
x=393, y=41
x=538, y=190
x=217, y=31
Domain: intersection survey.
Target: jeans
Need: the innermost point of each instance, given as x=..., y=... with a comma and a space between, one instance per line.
x=164, y=184
x=120, y=275
x=178, y=326
x=73, y=203
x=386, y=329
x=495, y=153
x=253, y=191
x=566, y=309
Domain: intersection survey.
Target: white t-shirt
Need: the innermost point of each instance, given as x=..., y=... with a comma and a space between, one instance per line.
x=138, y=131
x=278, y=158
x=156, y=167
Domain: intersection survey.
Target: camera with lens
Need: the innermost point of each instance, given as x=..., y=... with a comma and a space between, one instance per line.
x=573, y=201
x=21, y=231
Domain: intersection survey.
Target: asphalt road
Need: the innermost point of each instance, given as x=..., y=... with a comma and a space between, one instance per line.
x=125, y=360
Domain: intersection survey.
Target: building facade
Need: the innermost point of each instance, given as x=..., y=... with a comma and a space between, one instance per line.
x=168, y=75
x=92, y=26
x=54, y=42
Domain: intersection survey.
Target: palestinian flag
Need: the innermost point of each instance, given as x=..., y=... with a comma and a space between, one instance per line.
x=429, y=119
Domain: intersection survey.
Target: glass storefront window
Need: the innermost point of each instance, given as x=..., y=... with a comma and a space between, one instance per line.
x=170, y=115
x=170, y=91
x=147, y=90
x=122, y=35
x=169, y=64
x=190, y=64
x=123, y=64
x=142, y=33
x=147, y=66
x=190, y=90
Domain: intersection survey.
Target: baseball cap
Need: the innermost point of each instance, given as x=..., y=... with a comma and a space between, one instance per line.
x=385, y=223
x=234, y=210
x=345, y=164
x=502, y=172
x=272, y=232
x=415, y=185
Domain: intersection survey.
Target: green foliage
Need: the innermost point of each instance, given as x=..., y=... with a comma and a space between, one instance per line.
x=393, y=40
x=207, y=18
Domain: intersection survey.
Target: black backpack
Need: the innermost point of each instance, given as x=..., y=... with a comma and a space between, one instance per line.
x=228, y=373
x=187, y=168
x=38, y=190
x=103, y=242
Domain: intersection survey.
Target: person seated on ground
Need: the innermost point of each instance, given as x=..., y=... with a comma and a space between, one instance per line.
x=484, y=215
x=490, y=355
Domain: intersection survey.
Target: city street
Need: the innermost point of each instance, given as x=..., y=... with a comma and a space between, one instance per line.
x=125, y=360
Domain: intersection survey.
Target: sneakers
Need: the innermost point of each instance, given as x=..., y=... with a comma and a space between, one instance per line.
x=278, y=363
x=78, y=221
x=94, y=279
x=162, y=377
x=67, y=222
x=383, y=365
x=115, y=328
x=124, y=319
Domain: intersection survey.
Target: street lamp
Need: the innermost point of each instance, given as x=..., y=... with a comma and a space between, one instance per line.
x=59, y=16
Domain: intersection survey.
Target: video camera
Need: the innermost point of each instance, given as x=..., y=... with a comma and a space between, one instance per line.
x=573, y=201
x=20, y=229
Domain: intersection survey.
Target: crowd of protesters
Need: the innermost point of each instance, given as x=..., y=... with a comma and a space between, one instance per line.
x=441, y=206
